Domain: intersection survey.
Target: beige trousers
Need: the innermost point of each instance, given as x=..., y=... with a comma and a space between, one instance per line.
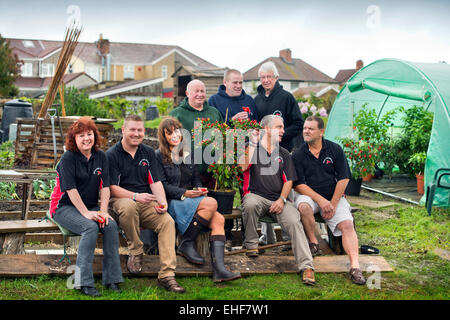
x=131, y=216
x=256, y=206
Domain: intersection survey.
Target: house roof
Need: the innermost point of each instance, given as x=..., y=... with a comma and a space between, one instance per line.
x=123, y=87
x=317, y=90
x=121, y=52
x=344, y=74
x=297, y=70
x=198, y=71
x=43, y=83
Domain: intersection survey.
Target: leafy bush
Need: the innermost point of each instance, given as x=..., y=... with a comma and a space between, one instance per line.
x=6, y=155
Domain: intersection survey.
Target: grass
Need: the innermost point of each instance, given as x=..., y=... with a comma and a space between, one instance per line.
x=405, y=235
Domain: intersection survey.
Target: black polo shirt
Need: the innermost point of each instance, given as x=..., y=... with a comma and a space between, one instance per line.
x=321, y=174
x=75, y=171
x=267, y=174
x=133, y=174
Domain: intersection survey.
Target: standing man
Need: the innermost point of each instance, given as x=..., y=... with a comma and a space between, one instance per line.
x=322, y=176
x=138, y=200
x=266, y=186
x=230, y=99
x=273, y=99
x=192, y=108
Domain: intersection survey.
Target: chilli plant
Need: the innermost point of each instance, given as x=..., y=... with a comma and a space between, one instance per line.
x=221, y=141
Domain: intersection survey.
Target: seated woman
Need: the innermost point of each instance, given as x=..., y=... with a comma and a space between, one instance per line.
x=189, y=206
x=83, y=173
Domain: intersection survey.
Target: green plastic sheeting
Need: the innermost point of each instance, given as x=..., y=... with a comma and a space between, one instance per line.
x=388, y=83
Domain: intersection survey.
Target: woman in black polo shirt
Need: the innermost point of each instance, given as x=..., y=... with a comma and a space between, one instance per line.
x=82, y=174
x=192, y=211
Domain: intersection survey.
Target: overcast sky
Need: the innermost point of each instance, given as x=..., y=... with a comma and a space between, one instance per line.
x=329, y=35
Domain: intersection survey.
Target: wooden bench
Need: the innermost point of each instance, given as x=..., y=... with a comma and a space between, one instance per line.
x=12, y=233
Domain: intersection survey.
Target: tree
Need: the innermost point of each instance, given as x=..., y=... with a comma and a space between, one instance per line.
x=9, y=69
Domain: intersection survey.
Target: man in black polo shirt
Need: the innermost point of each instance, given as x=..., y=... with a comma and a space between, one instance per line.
x=268, y=180
x=322, y=176
x=138, y=200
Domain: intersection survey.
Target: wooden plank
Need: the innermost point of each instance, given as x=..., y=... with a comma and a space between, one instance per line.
x=26, y=226
x=32, y=265
x=17, y=214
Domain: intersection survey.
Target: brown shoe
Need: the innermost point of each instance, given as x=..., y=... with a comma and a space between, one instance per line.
x=308, y=277
x=169, y=283
x=134, y=263
x=355, y=274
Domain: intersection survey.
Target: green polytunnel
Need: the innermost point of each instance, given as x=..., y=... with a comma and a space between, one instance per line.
x=388, y=83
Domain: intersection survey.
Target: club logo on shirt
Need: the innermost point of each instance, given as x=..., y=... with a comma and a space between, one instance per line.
x=278, y=113
x=327, y=160
x=279, y=159
x=144, y=163
x=97, y=171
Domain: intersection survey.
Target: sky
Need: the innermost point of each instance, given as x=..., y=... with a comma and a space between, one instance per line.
x=329, y=35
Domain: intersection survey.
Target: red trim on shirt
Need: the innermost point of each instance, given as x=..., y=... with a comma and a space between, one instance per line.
x=150, y=178
x=246, y=181
x=56, y=196
x=284, y=177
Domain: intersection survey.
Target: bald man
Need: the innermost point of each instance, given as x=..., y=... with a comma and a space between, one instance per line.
x=193, y=107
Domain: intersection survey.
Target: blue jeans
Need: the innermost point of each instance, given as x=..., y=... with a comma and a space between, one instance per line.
x=70, y=218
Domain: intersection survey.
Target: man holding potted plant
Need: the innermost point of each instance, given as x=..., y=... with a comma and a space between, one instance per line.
x=266, y=187
x=323, y=174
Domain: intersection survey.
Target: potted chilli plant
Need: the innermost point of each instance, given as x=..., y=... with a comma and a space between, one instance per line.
x=221, y=141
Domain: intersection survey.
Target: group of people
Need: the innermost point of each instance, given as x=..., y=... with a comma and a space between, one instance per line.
x=134, y=187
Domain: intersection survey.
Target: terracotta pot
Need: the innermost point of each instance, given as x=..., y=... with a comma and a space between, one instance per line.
x=420, y=183
x=368, y=178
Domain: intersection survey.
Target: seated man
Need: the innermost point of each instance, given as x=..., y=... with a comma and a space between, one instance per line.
x=323, y=175
x=266, y=186
x=138, y=200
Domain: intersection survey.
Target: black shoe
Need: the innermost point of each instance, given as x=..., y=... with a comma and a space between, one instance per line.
x=220, y=273
x=90, y=291
x=114, y=287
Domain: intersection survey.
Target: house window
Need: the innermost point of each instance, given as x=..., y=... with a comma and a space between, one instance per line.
x=128, y=72
x=164, y=72
x=27, y=69
x=28, y=44
x=295, y=85
x=47, y=69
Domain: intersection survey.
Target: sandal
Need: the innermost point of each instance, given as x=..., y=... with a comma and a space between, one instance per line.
x=308, y=277
x=315, y=249
x=170, y=284
x=253, y=253
x=356, y=276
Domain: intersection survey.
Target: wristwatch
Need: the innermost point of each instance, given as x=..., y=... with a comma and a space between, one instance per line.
x=284, y=199
x=182, y=197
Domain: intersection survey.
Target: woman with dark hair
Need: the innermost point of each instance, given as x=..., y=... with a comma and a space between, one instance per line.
x=83, y=174
x=192, y=211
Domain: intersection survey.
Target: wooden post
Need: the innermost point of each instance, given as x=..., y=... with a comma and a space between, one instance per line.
x=12, y=243
x=73, y=244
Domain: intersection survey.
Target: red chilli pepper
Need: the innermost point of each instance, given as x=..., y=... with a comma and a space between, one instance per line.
x=246, y=109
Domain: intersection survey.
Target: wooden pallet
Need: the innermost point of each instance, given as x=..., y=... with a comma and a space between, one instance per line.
x=36, y=143
x=32, y=265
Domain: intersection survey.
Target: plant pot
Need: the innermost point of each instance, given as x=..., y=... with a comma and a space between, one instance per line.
x=224, y=200
x=368, y=178
x=353, y=187
x=420, y=183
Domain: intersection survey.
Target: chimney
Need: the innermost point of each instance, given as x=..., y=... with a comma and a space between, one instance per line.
x=359, y=64
x=103, y=45
x=286, y=55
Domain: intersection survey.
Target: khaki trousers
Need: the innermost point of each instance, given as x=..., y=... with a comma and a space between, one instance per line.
x=132, y=216
x=256, y=206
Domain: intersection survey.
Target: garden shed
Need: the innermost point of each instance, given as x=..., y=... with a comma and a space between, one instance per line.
x=388, y=83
